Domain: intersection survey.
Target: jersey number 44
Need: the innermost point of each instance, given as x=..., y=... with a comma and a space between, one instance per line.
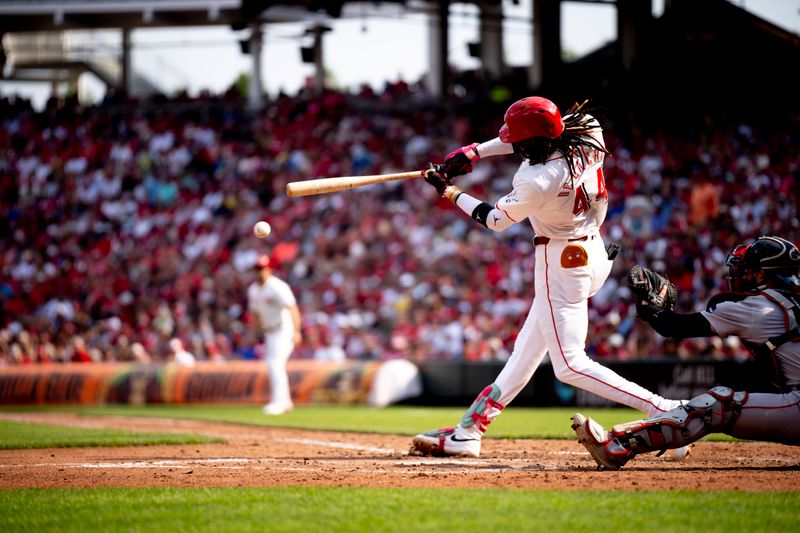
x=582, y=196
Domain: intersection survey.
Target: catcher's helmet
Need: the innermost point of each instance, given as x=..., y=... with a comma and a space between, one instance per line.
x=777, y=258
x=533, y=116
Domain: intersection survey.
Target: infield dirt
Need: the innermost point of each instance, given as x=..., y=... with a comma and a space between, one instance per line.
x=254, y=456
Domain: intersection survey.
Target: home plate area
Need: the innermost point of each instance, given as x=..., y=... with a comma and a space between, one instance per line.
x=256, y=457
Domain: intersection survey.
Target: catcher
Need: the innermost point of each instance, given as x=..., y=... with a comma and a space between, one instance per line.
x=763, y=309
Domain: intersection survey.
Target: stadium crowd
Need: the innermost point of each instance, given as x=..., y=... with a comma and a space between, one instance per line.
x=127, y=226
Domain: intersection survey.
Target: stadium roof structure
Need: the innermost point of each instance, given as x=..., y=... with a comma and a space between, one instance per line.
x=20, y=17
x=41, y=57
x=696, y=57
x=706, y=53
x=57, y=15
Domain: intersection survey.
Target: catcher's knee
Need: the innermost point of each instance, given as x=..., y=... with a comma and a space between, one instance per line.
x=719, y=407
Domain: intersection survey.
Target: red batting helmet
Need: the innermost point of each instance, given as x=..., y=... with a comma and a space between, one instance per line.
x=533, y=116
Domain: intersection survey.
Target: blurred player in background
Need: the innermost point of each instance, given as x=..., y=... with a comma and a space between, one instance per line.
x=179, y=354
x=763, y=310
x=274, y=312
x=560, y=189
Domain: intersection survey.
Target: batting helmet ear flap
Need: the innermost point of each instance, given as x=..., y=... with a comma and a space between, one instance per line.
x=533, y=116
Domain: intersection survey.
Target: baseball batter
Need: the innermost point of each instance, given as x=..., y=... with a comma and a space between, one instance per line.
x=274, y=313
x=764, y=311
x=560, y=189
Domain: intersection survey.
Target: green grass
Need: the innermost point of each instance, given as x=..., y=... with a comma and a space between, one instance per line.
x=16, y=435
x=519, y=423
x=370, y=510
x=311, y=509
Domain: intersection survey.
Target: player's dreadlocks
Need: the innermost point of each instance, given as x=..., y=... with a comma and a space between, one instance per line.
x=575, y=137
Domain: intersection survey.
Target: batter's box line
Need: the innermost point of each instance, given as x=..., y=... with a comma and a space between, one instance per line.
x=339, y=445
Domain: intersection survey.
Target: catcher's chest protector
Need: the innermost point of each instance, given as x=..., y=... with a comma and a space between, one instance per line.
x=764, y=353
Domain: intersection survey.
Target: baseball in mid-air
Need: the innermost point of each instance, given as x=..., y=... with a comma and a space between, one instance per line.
x=262, y=229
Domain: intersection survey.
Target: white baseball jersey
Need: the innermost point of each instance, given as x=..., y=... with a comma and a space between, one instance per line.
x=557, y=205
x=270, y=303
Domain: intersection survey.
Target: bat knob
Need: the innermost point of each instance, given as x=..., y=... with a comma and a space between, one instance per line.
x=436, y=167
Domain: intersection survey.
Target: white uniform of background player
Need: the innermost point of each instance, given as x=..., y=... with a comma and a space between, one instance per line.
x=180, y=355
x=764, y=314
x=274, y=312
x=565, y=203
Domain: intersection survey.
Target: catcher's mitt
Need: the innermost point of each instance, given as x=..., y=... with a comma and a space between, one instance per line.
x=651, y=288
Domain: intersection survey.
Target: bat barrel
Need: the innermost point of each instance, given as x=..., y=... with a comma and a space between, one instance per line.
x=341, y=183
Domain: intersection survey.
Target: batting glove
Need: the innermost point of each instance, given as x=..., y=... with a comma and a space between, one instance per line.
x=459, y=162
x=435, y=177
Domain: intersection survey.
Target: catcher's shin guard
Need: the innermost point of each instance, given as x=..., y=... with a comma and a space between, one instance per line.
x=712, y=411
x=483, y=410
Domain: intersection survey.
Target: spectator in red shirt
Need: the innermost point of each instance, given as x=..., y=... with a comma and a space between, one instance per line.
x=80, y=354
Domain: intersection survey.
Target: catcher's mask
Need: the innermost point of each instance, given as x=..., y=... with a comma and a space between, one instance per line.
x=533, y=116
x=777, y=258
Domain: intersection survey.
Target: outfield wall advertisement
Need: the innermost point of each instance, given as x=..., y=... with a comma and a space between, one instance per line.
x=374, y=383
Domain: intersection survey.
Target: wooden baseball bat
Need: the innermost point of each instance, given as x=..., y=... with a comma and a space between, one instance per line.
x=341, y=183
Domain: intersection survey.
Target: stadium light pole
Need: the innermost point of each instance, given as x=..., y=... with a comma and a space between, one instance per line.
x=438, y=38
x=491, y=38
x=255, y=89
x=125, y=61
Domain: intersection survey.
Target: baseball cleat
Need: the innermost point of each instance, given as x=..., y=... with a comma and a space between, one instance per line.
x=445, y=443
x=599, y=443
x=275, y=409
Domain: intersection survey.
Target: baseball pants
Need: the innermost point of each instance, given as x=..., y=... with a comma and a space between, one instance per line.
x=278, y=346
x=558, y=324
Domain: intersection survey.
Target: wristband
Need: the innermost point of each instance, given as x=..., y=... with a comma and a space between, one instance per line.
x=472, y=152
x=451, y=192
